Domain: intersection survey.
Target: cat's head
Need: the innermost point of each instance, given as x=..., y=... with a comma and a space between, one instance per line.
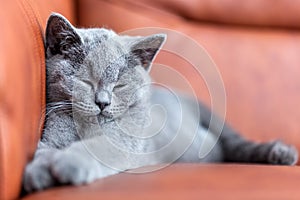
x=100, y=72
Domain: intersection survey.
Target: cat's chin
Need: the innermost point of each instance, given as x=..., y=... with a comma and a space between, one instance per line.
x=106, y=114
x=103, y=119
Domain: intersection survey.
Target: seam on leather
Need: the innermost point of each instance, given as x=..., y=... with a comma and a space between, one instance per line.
x=38, y=56
x=34, y=18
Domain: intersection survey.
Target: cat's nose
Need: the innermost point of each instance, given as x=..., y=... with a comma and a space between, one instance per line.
x=102, y=99
x=102, y=105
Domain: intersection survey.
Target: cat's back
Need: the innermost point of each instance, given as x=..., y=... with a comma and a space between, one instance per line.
x=176, y=104
x=176, y=119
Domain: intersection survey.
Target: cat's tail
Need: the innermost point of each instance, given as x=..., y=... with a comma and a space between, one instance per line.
x=236, y=148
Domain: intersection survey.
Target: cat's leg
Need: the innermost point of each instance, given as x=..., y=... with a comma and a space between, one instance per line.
x=59, y=132
x=235, y=148
x=79, y=163
x=37, y=175
x=238, y=149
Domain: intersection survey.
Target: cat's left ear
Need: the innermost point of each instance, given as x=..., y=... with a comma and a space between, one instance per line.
x=146, y=48
x=61, y=37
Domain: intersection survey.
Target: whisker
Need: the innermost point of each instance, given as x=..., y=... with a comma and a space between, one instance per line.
x=61, y=107
x=56, y=106
x=58, y=111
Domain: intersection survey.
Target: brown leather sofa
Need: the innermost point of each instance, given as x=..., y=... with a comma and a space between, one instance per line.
x=254, y=43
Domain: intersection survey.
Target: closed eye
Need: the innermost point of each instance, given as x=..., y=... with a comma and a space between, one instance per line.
x=89, y=83
x=119, y=86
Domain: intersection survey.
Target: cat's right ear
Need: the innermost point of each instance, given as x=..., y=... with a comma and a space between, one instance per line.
x=61, y=36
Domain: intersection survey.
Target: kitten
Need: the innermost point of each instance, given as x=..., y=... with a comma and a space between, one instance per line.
x=98, y=98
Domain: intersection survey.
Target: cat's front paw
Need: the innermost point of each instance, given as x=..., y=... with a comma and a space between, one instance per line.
x=282, y=154
x=37, y=177
x=75, y=169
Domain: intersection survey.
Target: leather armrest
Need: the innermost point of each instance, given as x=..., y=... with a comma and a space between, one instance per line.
x=22, y=84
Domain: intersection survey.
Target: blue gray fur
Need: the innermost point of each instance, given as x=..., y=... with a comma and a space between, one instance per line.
x=99, y=90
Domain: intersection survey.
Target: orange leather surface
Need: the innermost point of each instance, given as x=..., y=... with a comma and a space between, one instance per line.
x=189, y=181
x=22, y=83
x=260, y=67
x=279, y=13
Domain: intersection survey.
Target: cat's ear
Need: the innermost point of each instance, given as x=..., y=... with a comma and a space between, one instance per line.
x=145, y=49
x=61, y=36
